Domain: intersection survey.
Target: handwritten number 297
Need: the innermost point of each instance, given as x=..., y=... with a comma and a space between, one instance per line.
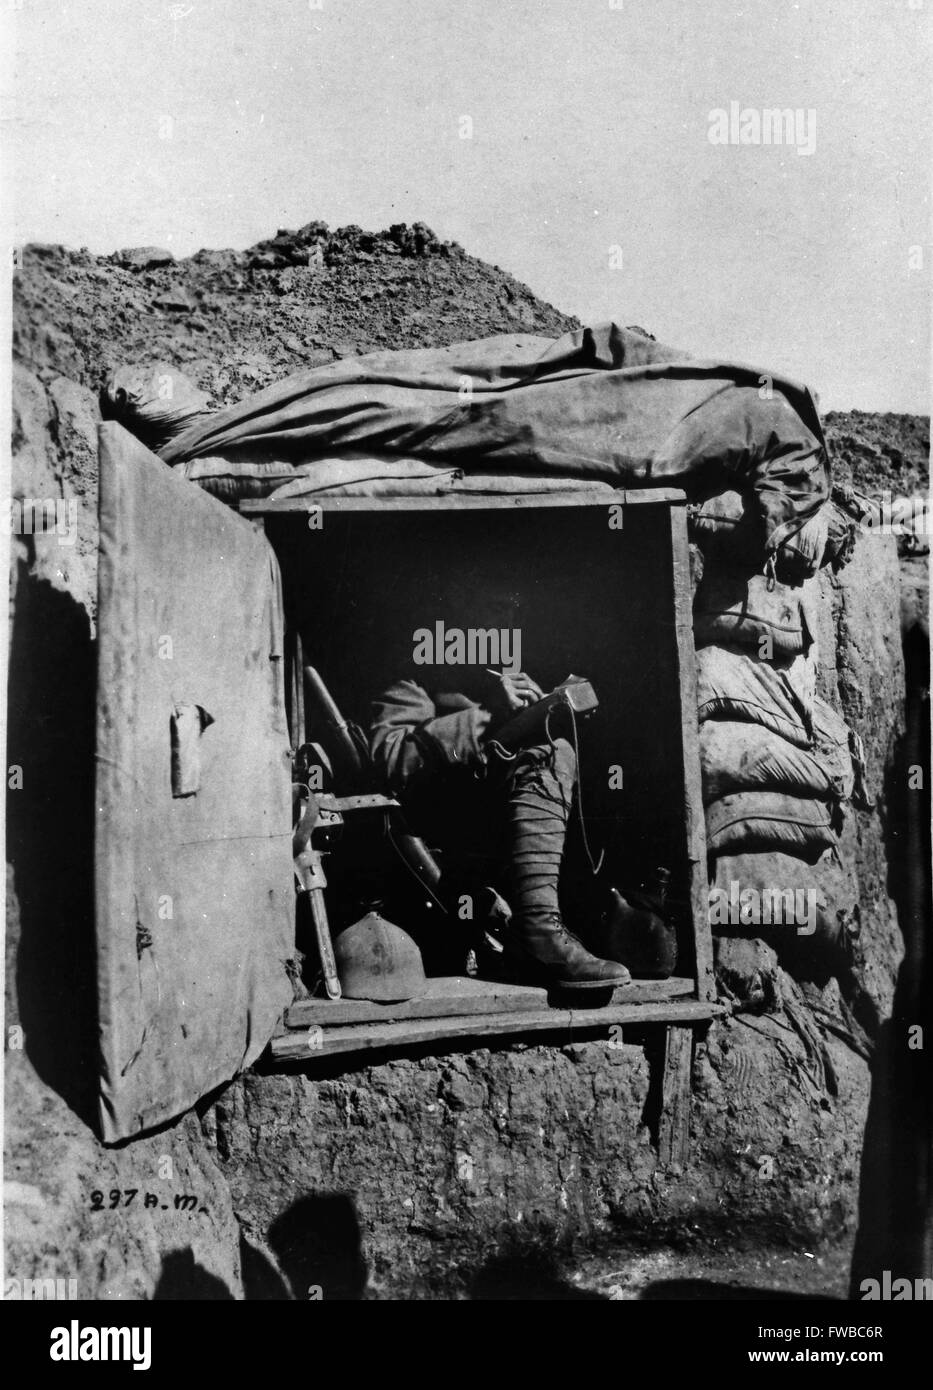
x=115, y=1195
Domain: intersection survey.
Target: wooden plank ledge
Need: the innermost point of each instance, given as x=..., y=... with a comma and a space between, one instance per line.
x=316, y=1041
x=454, y=995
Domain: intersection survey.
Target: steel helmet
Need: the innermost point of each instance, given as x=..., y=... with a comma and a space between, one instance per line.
x=377, y=960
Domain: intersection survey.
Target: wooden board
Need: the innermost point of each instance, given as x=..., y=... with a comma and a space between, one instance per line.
x=465, y=501
x=674, y=1123
x=694, y=818
x=317, y=1042
x=456, y=995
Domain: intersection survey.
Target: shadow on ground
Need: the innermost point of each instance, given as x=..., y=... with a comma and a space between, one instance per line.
x=708, y=1290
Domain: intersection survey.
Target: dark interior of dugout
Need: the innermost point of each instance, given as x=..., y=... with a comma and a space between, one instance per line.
x=586, y=598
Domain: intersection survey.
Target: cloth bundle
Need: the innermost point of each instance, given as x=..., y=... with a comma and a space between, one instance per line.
x=362, y=475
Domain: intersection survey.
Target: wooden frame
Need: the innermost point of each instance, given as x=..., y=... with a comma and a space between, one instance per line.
x=694, y=818
x=456, y=1011
x=466, y=501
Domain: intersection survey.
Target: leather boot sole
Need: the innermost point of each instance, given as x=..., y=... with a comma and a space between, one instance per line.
x=522, y=971
x=566, y=986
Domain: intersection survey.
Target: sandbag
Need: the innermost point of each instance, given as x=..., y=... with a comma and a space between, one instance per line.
x=802, y=554
x=749, y=821
x=155, y=402
x=734, y=607
x=746, y=757
x=735, y=684
x=728, y=527
x=825, y=886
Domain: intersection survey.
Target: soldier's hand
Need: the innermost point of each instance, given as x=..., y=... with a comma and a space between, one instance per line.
x=507, y=694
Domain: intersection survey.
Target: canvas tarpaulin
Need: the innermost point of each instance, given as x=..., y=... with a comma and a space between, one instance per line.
x=602, y=402
x=193, y=876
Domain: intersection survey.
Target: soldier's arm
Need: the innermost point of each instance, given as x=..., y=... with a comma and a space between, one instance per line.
x=409, y=739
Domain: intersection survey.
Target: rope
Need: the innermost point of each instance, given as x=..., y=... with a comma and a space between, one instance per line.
x=594, y=867
x=500, y=752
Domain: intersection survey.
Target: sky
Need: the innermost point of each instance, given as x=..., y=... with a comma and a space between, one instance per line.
x=567, y=141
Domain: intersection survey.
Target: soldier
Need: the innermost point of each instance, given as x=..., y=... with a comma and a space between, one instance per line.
x=436, y=750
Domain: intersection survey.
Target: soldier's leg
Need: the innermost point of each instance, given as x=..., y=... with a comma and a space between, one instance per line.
x=539, y=788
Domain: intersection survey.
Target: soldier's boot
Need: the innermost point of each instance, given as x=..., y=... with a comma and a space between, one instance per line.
x=538, y=944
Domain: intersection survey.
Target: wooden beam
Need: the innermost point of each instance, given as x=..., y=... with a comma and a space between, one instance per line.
x=693, y=817
x=456, y=995
x=463, y=501
x=296, y=731
x=298, y=657
x=318, y=1042
x=674, y=1122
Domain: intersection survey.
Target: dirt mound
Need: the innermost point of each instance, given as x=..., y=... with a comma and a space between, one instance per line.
x=237, y=320
x=880, y=452
x=240, y=319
